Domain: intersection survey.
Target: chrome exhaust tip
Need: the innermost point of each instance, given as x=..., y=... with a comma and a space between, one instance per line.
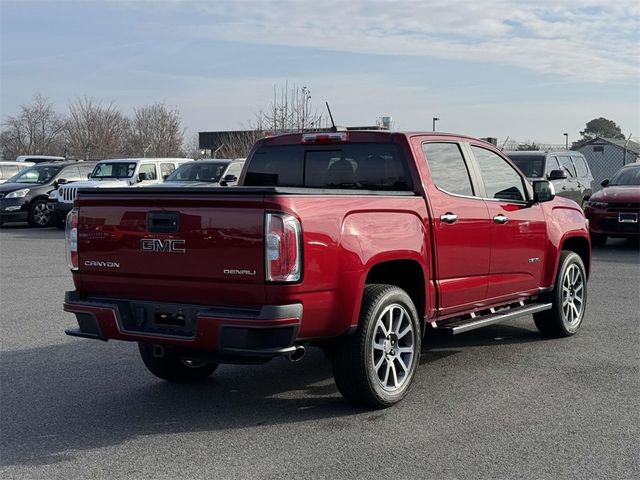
x=297, y=354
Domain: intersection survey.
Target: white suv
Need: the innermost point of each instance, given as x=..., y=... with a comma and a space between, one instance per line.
x=125, y=172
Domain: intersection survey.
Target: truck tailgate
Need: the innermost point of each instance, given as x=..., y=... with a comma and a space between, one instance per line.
x=184, y=246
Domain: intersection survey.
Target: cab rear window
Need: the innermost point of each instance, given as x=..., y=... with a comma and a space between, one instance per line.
x=363, y=166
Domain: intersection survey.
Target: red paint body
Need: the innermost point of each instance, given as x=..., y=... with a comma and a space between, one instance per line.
x=462, y=267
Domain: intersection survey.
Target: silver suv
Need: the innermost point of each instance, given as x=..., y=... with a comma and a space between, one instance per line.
x=568, y=171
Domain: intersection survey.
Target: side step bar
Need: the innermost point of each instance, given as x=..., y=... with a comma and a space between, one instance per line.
x=467, y=324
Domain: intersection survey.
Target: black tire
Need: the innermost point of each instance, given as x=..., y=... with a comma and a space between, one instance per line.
x=173, y=369
x=58, y=222
x=565, y=320
x=598, y=240
x=39, y=216
x=353, y=357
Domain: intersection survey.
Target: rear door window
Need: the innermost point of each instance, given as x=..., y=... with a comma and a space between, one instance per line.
x=448, y=169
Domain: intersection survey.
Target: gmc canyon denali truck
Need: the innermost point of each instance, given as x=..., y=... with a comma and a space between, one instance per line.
x=358, y=242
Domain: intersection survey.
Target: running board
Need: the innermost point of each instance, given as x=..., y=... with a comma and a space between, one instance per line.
x=461, y=326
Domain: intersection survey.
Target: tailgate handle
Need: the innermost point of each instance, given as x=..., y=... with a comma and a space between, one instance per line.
x=163, y=222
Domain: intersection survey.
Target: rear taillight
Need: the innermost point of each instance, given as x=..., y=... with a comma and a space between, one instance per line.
x=282, y=248
x=71, y=239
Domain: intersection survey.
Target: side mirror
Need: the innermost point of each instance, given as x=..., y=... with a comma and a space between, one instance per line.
x=227, y=179
x=164, y=177
x=543, y=191
x=61, y=181
x=142, y=176
x=557, y=175
x=604, y=182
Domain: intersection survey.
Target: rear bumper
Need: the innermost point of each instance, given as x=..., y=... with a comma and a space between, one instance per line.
x=265, y=332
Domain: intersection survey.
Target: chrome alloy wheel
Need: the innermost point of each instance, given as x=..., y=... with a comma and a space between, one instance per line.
x=393, y=347
x=572, y=296
x=41, y=215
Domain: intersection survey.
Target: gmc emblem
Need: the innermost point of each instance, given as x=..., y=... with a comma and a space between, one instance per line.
x=158, y=245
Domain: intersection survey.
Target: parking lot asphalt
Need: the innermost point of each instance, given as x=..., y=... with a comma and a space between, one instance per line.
x=499, y=402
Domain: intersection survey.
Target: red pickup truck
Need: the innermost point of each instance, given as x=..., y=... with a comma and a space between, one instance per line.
x=359, y=242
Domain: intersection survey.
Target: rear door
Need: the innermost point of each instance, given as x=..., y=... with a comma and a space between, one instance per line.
x=518, y=230
x=461, y=227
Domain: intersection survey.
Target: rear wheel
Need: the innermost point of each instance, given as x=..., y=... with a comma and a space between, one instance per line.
x=39, y=215
x=376, y=365
x=175, y=369
x=568, y=299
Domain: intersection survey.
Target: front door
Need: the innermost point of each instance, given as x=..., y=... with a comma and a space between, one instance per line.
x=461, y=227
x=518, y=229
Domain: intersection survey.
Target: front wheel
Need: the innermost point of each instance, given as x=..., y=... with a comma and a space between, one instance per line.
x=376, y=365
x=568, y=299
x=173, y=369
x=39, y=215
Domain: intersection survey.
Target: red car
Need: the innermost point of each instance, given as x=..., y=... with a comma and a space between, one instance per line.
x=358, y=242
x=614, y=210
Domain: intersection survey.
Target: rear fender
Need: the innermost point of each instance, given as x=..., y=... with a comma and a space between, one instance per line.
x=369, y=239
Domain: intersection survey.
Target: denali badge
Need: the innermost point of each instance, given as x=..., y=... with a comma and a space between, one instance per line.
x=239, y=272
x=158, y=245
x=98, y=263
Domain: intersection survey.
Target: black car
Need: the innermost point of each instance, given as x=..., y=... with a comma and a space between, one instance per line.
x=23, y=197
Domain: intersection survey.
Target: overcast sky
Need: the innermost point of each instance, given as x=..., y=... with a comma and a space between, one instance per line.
x=528, y=70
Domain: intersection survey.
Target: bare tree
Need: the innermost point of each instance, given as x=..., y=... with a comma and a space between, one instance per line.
x=36, y=130
x=290, y=111
x=156, y=130
x=238, y=144
x=93, y=131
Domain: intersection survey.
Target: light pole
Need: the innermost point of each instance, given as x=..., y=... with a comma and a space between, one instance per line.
x=435, y=119
x=566, y=141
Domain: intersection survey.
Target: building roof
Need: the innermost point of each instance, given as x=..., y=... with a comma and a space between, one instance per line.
x=633, y=147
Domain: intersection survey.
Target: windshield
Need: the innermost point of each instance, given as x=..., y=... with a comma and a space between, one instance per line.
x=37, y=174
x=626, y=176
x=113, y=170
x=198, y=172
x=532, y=166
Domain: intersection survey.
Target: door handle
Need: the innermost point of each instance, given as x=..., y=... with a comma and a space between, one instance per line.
x=449, y=218
x=501, y=219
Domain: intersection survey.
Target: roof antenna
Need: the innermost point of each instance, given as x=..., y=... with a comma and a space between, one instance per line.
x=505, y=142
x=333, y=124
